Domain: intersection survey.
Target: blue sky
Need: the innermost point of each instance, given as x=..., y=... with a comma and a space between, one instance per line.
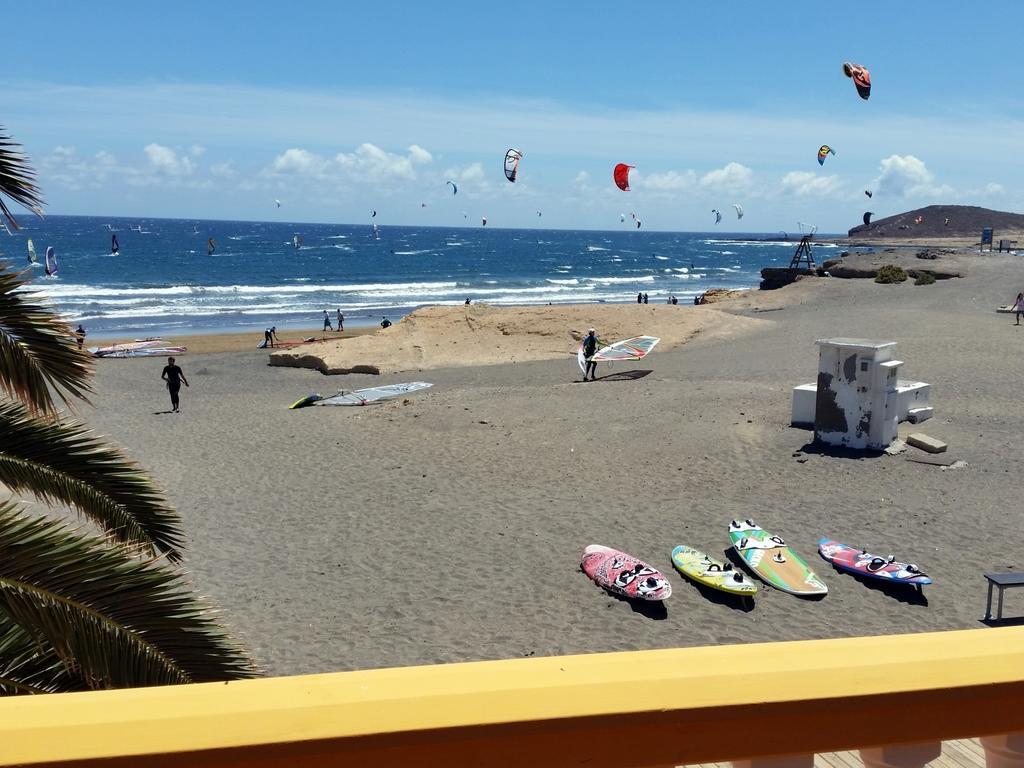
x=216, y=110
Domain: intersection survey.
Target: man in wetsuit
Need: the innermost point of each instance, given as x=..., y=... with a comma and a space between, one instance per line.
x=589, y=348
x=173, y=375
x=270, y=336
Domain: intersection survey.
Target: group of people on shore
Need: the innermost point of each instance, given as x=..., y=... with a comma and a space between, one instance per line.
x=327, y=321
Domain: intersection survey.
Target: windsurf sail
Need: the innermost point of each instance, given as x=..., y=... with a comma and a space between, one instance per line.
x=861, y=78
x=143, y=352
x=32, y=258
x=621, y=176
x=373, y=394
x=51, y=261
x=115, y=247
x=455, y=189
x=512, y=158
x=483, y=221
x=211, y=247
x=739, y=210
x=824, y=151
x=297, y=241
x=636, y=348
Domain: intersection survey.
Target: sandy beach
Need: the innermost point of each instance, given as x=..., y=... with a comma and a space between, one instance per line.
x=449, y=526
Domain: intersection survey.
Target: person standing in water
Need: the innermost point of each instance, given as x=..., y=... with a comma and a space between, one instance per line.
x=173, y=375
x=589, y=350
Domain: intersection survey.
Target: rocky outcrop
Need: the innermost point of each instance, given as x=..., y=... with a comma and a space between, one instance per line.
x=777, y=277
x=941, y=263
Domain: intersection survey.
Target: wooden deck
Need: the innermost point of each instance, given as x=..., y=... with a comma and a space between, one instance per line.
x=965, y=753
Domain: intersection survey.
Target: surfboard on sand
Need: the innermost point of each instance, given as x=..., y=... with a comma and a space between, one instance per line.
x=302, y=402
x=706, y=571
x=771, y=560
x=1007, y=308
x=623, y=574
x=860, y=562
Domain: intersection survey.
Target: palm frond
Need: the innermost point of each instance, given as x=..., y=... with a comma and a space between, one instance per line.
x=112, y=620
x=30, y=666
x=65, y=463
x=37, y=353
x=17, y=180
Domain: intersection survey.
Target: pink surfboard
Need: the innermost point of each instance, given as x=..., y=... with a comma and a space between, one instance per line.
x=623, y=574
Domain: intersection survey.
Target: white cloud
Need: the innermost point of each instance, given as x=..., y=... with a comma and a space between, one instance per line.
x=197, y=150
x=223, y=170
x=166, y=160
x=734, y=177
x=668, y=181
x=804, y=183
x=908, y=176
x=471, y=174
x=369, y=163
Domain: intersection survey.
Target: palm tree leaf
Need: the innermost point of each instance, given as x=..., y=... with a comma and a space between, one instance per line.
x=17, y=179
x=37, y=353
x=112, y=620
x=30, y=666
x=66, y=463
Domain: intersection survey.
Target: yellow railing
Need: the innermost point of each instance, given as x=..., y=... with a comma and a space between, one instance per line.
x=645, y=708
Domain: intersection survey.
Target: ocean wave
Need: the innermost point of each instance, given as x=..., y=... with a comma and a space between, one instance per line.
x=593, y=248
x=621, y=280
x=72, y=291
x=570, y=281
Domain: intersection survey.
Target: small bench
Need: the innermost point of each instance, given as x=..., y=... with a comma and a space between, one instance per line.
x=1001, y=581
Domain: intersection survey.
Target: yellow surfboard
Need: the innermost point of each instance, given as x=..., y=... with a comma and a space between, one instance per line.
x=705, y=570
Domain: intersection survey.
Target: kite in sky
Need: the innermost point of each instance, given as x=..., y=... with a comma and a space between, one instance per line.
x=824, y=151
x=861, y=78
x=512, y=158
x=621, y=176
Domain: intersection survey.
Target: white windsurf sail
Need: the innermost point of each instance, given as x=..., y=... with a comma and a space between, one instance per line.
x=636, y=348
x=32, y=258
x=374, y=394
x=51, y=261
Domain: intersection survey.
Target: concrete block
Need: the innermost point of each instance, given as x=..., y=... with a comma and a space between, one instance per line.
x=917, y=415
x=926, y=443
x=804, y=398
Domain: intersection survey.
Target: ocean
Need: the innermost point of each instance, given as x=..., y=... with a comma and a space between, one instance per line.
x=164, y=282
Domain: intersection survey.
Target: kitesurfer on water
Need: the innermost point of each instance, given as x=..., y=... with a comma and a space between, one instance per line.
x=173, y=375
x=589, y=350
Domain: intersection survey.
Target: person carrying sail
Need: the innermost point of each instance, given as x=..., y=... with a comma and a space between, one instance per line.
x=589, y=350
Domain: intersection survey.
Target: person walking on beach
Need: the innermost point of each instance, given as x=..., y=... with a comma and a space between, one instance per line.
x=589, y=349
x=173, y=375
x=1018, y=307
x=270, y=336
x=327, y=322
x=80, y=335
x=341, y=321
x=385, y=323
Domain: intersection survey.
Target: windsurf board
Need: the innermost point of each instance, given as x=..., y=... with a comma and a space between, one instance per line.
x=705, y=570
x=302, y=402
x=623, y=574
x=860, y=562
x=773, y=561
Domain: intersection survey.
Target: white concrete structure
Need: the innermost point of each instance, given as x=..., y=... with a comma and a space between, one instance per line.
x=858, y=399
